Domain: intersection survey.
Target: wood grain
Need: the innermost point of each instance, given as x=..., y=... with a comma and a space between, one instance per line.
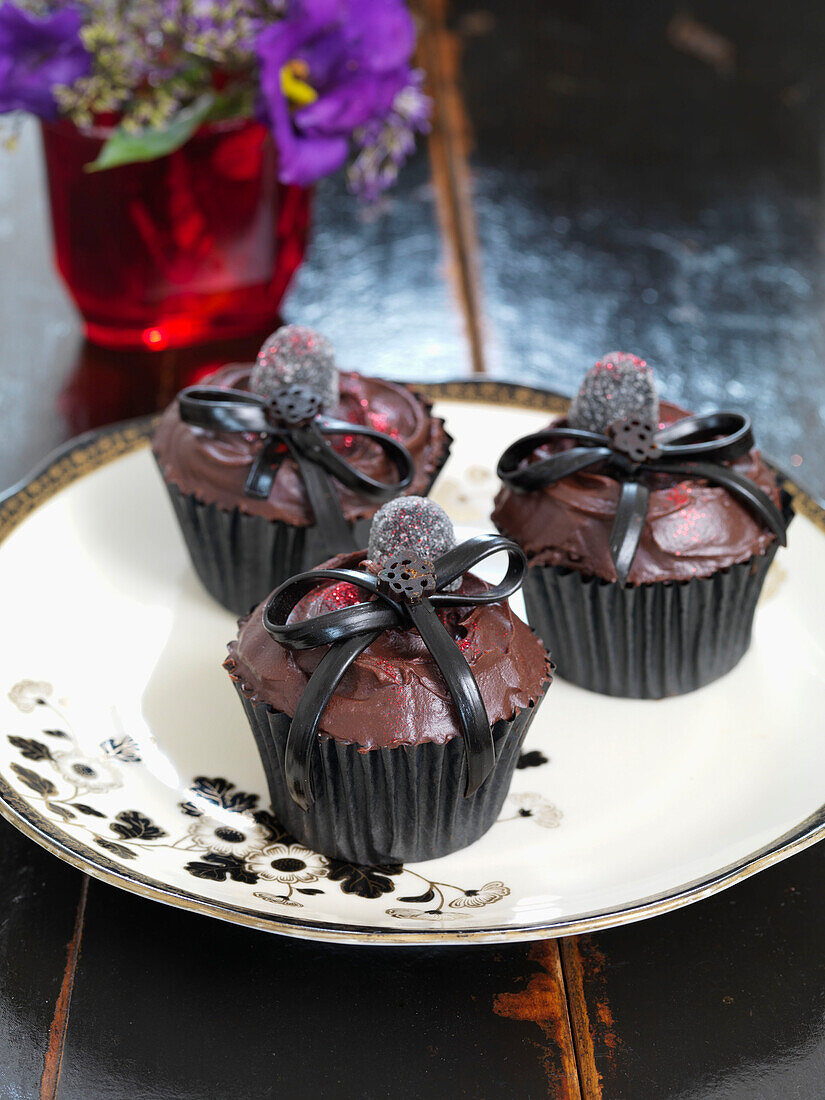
x=440, y=53
x=170, y=1004
x=38, y=910
x=541, y=1001
x=60, y=1020
x=578, y=955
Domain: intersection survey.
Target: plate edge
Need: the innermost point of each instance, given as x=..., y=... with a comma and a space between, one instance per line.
x=98, y=447
x=808, y=832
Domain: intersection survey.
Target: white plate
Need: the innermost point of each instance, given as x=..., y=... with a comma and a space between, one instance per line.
x=624, y=810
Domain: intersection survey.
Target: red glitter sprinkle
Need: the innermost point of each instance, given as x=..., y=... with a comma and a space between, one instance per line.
x=610, y=364
x=678, y=495
x=381, y=424
x=341, y=595
x=468, y=646
x=389, y=670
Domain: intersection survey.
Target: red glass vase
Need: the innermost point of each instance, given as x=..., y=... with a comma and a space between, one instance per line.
x=195, y=246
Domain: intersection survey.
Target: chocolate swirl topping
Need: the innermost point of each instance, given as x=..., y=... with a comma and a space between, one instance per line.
x=692, y=527
x=215, y=465
x=290, y=422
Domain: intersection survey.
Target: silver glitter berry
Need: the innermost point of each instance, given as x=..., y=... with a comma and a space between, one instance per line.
x=295, y=354
x=617, y=387
x=410, y=523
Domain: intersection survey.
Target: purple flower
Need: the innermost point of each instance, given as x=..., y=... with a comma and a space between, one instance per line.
x=329, y=68
x=35, y=55
x=385, y=145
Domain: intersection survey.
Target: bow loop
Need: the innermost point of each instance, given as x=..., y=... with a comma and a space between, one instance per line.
x=223, y=410
x=290, y=423
x=693, y=447
x=404, y=595
x=719, y=436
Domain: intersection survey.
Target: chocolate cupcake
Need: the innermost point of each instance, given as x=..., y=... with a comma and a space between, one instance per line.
x=389, y=697
x=275, y=467
x=648, y=533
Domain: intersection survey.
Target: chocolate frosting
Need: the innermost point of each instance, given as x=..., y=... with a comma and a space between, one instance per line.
x=394, y=693
x=214, y=465
x=693, y=528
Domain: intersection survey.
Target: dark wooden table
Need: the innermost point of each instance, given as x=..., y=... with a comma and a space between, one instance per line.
x=599, y=175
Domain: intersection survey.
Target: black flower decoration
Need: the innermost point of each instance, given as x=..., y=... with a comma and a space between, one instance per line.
x=532, y=759
x=35, y=781
x=693, y=447
x=133, y=825
x=292, y=424
x=125, y=749
x=218, y=868
x=406, y=594
x=31, y=749
x=407, y=577
x=89, y=811
x=115, y=848
x=221, y=793
x=364, y=882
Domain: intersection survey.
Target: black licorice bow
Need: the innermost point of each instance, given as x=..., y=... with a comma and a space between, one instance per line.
x=693, y=447
x=407, y=592
x=292, y=423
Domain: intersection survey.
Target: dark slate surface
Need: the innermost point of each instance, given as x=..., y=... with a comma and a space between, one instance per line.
x=723, y=1000
x=171, y=1004
x=39, y=898
x=631, y=195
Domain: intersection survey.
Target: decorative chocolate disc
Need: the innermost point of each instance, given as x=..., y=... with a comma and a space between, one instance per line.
x=635, y=438
x=293, y=405
x=408, y=577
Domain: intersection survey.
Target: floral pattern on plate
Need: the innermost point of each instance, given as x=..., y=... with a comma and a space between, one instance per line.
x=224, y=834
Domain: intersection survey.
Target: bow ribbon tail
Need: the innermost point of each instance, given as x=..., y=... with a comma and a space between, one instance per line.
x=311, y=706
x=334, y=533
x=628, y=525
x=479, y=747
x=741, y=488
x=262, y=475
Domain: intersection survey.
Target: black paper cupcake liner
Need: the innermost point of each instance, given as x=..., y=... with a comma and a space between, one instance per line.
x=241, y=558
x=646, y=641
x=404, y=804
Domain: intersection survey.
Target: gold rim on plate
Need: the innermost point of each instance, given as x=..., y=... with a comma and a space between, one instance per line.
x=95, y=449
